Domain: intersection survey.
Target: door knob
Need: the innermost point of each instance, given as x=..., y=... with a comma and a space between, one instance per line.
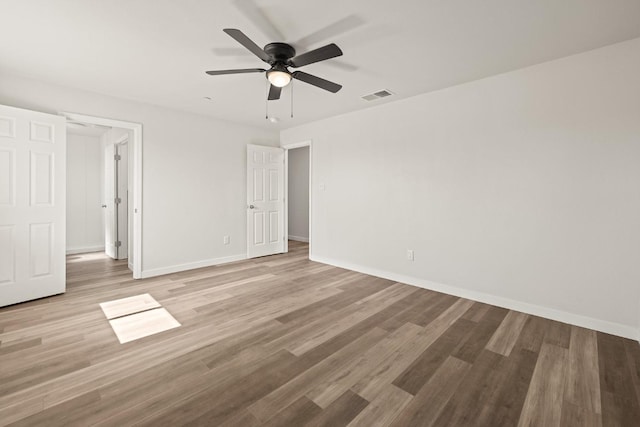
x=104, y=206
x=251, y=207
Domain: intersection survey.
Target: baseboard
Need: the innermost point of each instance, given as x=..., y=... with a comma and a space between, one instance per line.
x=548, y=313
x=130, y=266
x=85, y=250
x=299, y=239
x=191, y=265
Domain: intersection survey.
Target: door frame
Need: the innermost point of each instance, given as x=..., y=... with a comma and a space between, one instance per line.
x=287, y=147
x=136, y=159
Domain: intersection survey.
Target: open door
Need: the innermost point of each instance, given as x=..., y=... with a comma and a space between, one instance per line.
x=109, y=205
x=122, y=208
x=116, y=201
x=265, y=200
x=32, y=205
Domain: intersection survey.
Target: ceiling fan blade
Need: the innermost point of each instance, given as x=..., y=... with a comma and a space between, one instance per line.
x=316, y=55
x=241, y=71
x=274, y=93
x=345, y=66
x=259, y=19
x=231, y=51
x=316, y=81
x=345, y=24
x=245, y=41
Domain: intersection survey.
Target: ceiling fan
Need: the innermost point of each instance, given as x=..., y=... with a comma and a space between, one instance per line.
x=281, y=56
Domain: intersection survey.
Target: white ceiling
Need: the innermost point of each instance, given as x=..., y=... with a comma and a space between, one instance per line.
x=157, y=51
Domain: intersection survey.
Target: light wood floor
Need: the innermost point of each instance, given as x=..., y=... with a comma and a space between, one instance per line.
x=282, y=341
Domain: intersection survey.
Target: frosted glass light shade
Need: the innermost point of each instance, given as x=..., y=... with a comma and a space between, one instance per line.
x=278, y=78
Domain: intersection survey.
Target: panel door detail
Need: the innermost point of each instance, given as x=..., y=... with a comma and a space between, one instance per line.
x=265, y=201
x=32, y=205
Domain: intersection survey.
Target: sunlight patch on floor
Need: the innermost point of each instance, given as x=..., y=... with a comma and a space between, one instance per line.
x=137, y=317
x=130, y=305
x=140, y=325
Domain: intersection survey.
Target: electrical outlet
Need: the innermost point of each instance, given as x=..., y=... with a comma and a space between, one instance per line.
x=410, y=254
x=226, y=240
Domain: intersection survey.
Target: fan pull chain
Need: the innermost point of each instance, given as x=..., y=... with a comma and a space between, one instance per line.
x=266, y=102
x=292, y=99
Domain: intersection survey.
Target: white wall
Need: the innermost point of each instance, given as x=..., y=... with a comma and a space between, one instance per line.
x=298, y=198
x=194, y=179
x=85, y=231
x=522, y=189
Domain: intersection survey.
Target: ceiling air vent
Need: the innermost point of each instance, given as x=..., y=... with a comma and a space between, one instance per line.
x=377, y=95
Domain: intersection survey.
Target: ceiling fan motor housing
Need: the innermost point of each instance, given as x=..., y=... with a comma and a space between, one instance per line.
x=280, y=52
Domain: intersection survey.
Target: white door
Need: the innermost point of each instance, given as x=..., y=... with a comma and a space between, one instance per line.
x=265, y=200
x=122, y=226
x=32, y=205
x=110, y=228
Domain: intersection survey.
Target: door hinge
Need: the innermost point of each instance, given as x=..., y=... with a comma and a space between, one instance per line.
x=117, y=200
x=117, y=244
x=117, y=157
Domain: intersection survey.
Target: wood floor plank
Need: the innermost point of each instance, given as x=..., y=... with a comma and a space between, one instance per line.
x=22, y=410
x=463, y=408
x=168, y=403
x=506, y=335
x=618, y=410
x=532, y=334
x=633, y=357
x=387, y=372
x=296, y=414
x=505, y=390
x=243, y=418
x=283, y=340
x=21, y=345
x=340, y=412
x=421, y=303
x=543, y=405
x=316, y=333
x=470, y=349
x=617, y=389
x=277, y=400
x=427, y=364
x=557, y=333
x=382, y=410
x=231, y=393
x=431, y=399
x=431, y=311
x=420, y=371
x=574, y=415
x=118, y=400
x=324, y=393
x=477, y=312
x=66, y=413
x=583, y=381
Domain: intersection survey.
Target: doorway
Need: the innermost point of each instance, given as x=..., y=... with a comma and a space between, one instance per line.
x=98, y=190
x=298, y=189
x=120, y=190
x=85, y=184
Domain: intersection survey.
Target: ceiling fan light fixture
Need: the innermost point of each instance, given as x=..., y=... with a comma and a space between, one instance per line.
x=278, y=78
